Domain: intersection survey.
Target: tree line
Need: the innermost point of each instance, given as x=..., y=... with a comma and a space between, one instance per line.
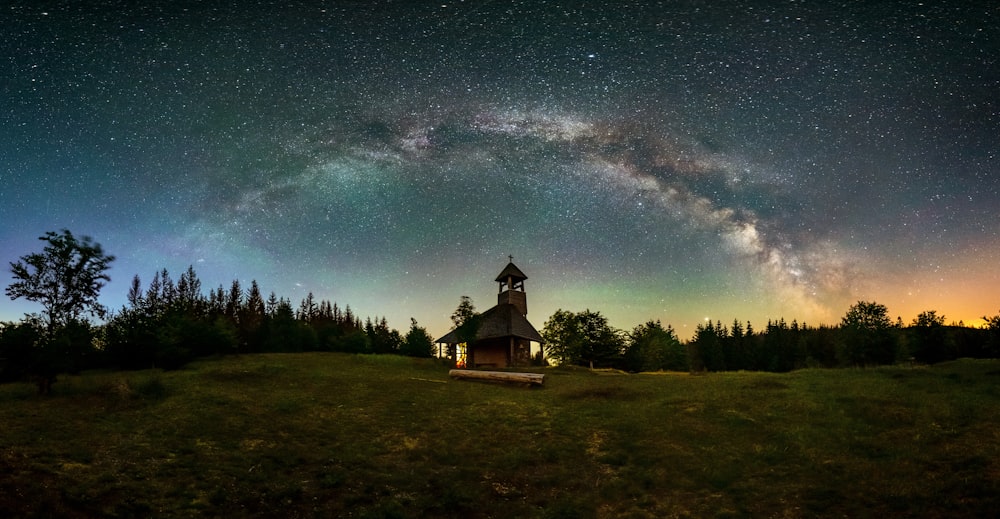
x=167, y=323
x=865, y=337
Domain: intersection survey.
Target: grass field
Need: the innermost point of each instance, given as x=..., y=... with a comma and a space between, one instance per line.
x=325, y=435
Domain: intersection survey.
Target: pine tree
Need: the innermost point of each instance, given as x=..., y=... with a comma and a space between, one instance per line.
x=254, y=301
x=272, y=304
x=217, y=302
x=234, y=301
x=252, y=319
x=168, y=292
x=189, y=289
x=418, y=342
x=153, y=300
x=307, y=309
x=135, y=299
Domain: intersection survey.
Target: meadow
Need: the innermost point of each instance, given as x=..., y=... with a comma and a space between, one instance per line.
x=339, y=435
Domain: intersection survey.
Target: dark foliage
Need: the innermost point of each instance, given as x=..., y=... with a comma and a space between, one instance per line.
x=65, y=278
x=866, y=337
x=862, y=340
x=18, y=348
x=584, y=339
x=171, y=324
x=28, y=350
x=651, y=347
x=418, y=342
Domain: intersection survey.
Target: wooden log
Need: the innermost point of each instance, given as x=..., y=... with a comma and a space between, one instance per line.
x=536, y=379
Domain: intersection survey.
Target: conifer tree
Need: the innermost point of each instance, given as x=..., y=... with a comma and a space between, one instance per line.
x=254, y=302
x=153, y=298
x=272, y=304
x=308, y=308
x=234, y=301
x=418, y=342
x=168, y=292
x=251, y=319
x=189, y=289
x=135, y=292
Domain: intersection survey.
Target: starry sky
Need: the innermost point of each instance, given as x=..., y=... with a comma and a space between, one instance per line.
x=674, y=160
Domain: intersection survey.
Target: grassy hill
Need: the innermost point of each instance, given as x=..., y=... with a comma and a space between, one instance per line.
x=303, y=435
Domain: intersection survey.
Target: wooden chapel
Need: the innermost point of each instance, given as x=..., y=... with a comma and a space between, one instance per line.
x=503, y=335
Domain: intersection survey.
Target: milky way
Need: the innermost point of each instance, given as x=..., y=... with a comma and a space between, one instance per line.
x=668, y=160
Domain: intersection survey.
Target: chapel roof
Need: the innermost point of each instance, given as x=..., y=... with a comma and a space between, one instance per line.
x=503, y=320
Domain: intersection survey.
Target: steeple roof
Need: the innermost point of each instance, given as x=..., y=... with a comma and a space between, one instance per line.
x=512, y=271
x=499, y=321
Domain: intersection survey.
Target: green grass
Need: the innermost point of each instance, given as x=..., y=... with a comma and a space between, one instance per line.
x=321, y=435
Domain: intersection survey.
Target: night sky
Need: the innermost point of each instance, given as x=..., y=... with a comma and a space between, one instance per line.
x=649, y=160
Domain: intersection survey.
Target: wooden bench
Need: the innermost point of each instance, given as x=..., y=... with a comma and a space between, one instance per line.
x=531, y=379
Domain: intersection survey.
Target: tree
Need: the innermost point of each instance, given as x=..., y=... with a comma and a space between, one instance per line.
x=418, y=342
x=167, y=289
x=865, y=335
x=992, y=322
x=466, y=321
x=308, y=309
x=152, y=301
x=189, y=289
x=870, y=316
x=130, y=338
x=562, y=336
x=66, y=278
x=707, y=351
x=781, y=347
x=217, y=301
x=602, y=345
x=287, y=334
x=653, y=347
x=992, y=347
x=234, y=301
x=927, y=338
x=251, y=319
x=381, y=338
x=135, y=292
x=928, y=318
x=464, y=313
x=19, y=348
x=584, y=338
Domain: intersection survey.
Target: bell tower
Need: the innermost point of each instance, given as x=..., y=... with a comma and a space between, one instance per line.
x=511, y=281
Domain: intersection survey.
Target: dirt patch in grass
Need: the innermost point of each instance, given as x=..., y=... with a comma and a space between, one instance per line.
x=766, y=383
x=603, y=393
x=880, y=411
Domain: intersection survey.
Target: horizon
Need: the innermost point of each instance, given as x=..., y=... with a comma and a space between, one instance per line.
x=485, y=299
x=666, y=162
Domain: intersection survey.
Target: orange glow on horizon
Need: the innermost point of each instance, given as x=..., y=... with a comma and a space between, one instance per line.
x=963, y=292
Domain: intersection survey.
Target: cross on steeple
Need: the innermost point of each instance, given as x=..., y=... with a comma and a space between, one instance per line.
x=511, y=258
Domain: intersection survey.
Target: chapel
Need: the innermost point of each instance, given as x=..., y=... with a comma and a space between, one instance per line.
x=503, y=335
